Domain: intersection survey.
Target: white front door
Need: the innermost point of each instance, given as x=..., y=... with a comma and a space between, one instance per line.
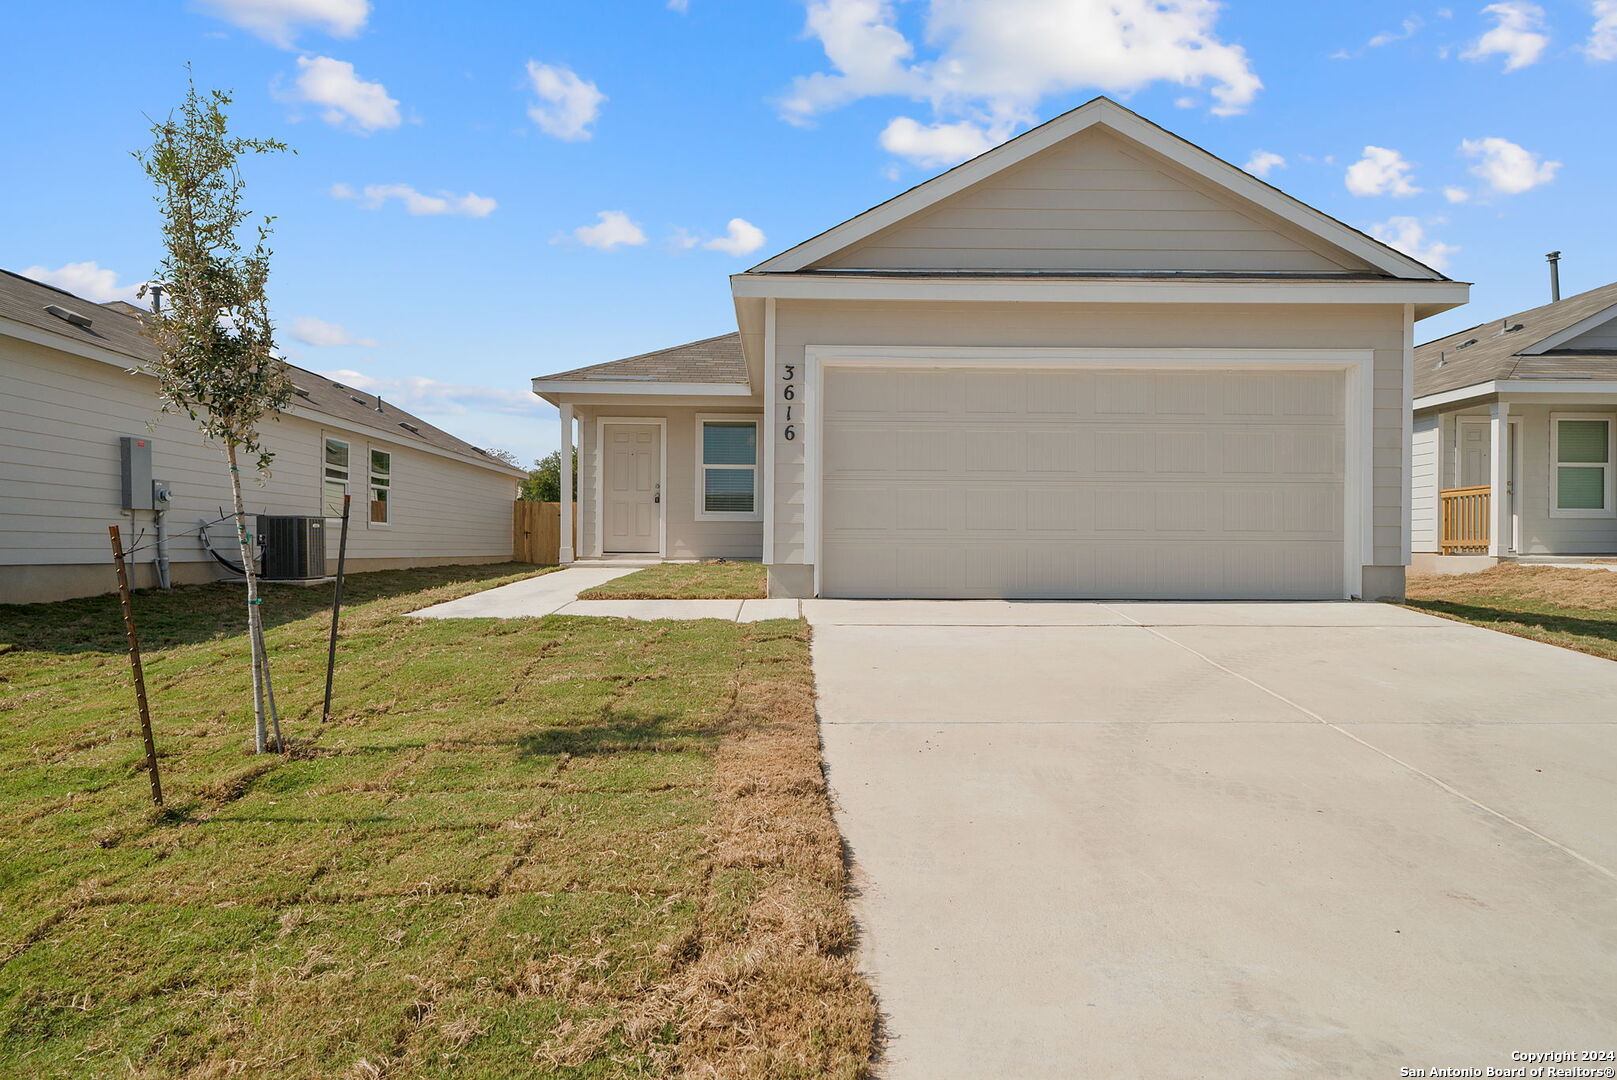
x=633, y=488
x=1476, y=453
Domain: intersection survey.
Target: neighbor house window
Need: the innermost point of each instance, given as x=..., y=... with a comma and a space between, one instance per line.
x=1580, y=447
x=727, y=468
x=336, y=477
x=381, y=487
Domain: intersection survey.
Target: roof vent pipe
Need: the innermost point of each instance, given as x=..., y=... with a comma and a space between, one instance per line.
x=156, y=291
x=1554, y=259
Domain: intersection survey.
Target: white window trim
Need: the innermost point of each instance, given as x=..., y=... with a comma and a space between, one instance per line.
x=370, y=477
x=1556, y=464
x=348, y=479
x=757, y=467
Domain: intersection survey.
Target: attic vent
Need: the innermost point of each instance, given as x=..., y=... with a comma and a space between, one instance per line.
x=338, y=386
x=68, y=316
x=362, y=401
x=1513, y=329
x=1466, y=344
x=300, y=391
x=411, y=428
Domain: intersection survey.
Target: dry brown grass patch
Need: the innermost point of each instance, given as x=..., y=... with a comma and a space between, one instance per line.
x=770, y=989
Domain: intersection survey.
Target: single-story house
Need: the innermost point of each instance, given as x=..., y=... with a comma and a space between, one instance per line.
x=1095, y=361
x=1515, y=454
x=420, y=496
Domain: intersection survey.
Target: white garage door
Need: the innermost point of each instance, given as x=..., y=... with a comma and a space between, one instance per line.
x=1094, y=483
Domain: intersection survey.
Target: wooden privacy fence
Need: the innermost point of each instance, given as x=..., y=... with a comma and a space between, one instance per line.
x=536, y=532
x=1465, y=520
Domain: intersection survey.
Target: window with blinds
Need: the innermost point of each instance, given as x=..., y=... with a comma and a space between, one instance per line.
x=381, y=487
x=728, y=469
x=334, y=478
x=1583, y=467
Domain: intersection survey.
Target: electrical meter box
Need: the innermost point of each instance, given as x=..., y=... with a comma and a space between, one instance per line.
x=135, y=461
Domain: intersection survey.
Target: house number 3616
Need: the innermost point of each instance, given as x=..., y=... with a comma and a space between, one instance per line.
x=789, y=393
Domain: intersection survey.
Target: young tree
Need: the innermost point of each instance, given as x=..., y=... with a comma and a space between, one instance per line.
x=543, y=483
x=217, y=362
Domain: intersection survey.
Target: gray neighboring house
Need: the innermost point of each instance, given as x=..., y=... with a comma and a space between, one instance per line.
x=421, y=496
x=1095, y=361
x=1515, y=456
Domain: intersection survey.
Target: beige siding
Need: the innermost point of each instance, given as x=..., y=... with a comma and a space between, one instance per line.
x=1424, y=467
x=1378, y=328
x=1094, y=203
x=688, y=538
x=1602, y=337
x=60, y=419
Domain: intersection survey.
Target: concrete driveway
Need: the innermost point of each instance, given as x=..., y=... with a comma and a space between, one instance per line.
x=1205, y=840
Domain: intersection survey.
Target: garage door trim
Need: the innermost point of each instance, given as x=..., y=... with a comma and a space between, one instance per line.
x=1357, y=366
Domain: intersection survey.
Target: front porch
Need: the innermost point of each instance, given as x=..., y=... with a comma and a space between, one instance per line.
x=1516, y=479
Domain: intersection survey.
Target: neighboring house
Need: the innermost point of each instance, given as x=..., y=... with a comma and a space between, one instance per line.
x=420, y=495
x=1514, y=446
x=1095, y=361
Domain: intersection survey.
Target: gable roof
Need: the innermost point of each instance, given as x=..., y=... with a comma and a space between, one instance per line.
x=1489, y=351
x=114, y=329
x=710, y=360
x=1104, y=112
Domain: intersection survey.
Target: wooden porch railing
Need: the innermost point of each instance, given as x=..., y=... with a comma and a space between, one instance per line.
x=1465, y=520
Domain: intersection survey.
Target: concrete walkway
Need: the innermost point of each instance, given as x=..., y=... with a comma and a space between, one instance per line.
x=1195, y=840
x=556, y=593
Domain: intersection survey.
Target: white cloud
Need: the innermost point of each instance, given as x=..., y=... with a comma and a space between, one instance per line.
x=938, y=144
x=373, y=196
x=741, y=238
x=86, y=279
x=1517, y=35
x=1456, y=194
x=567, y=105
x=612, y=230
x=681, y=6
x=428, y=397
x=1263, y=162
x=1506, y=167
x=1381, y=172
x=312, y=331
x=1408, y=235
x=349, y=100
x=1387, y=37
x=1602, y=43
x=995, y=60
x=277, y=21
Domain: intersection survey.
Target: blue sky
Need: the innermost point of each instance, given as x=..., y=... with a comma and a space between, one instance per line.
x=428, y=228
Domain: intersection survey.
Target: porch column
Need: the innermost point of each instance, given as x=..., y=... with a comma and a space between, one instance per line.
x=1499, y=478
x=566, y=484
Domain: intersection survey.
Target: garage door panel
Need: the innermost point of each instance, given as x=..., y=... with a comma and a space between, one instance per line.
x=1051, y=394
x=1087, y=483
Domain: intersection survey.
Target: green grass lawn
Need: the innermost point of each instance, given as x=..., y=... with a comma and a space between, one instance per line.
x=686, y=581
x=554, y=847
x=1576, y=609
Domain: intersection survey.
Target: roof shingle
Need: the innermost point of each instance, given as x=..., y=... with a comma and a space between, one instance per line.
x=1490, y=351
x=711, y=360
x=112, y=327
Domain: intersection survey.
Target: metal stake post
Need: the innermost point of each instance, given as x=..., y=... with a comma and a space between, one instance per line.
x=134, y=662
x=336, y=609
